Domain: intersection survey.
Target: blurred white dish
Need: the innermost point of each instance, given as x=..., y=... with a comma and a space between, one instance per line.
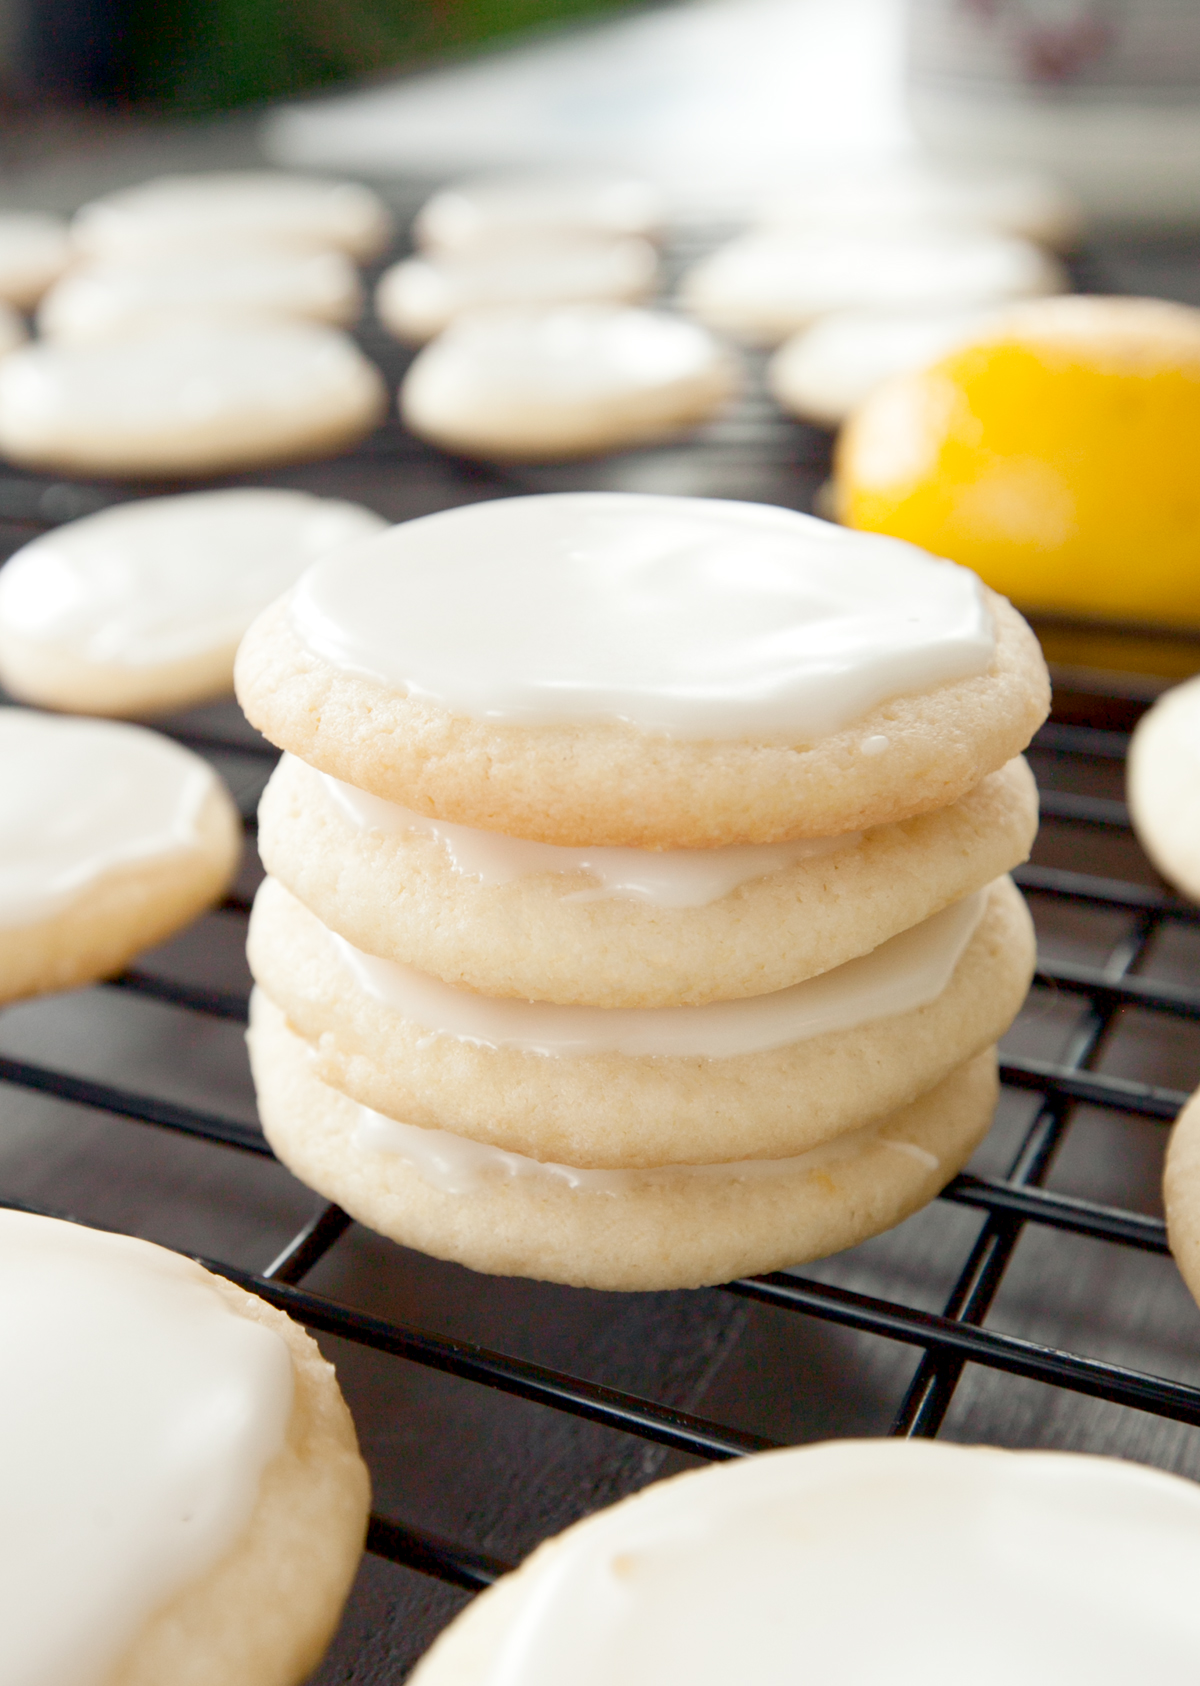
x=564, y=382
x=416, y=299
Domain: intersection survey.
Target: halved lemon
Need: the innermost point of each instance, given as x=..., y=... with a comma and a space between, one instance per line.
x=1058, y=455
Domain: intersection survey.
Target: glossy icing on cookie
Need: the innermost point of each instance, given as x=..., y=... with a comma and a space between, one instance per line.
x=689, y=617
x=763, y=1568
x=137, y=1415
x=457, y=1165
x=660, y=877
x=902, y=974
x=82, y=798
x=160, y=579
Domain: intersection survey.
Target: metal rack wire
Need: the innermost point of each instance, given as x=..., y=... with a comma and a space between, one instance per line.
x=1078, y=757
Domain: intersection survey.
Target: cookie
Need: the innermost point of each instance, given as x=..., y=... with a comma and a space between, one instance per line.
x=1181, y=1194
x=900, y=198
x=250, y=207
x=624, y=928
x=674, y=1227
x=421, y=296
x=12, y=330
x=824, y=372
x=564, y=382
x=178, y=1453
x=140, y=608
x=765, y=1077
x=108, y=299
x=646, y=672
x=194, y=399
x=538, y=205
x=765, y=1568
x=767, y=285
x=1163, y=785
x=35, y=249
x=111, y=838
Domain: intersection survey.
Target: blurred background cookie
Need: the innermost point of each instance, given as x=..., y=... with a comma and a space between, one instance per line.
x=174, y=214
x=107, y=299
x=140, y=608
x=111, y=838
x=564, y=382
x=188, y=400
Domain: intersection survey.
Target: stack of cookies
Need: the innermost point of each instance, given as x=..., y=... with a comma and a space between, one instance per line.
x=636, y=914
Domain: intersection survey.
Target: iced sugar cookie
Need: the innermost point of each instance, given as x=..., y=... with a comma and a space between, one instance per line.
x=824, y=372
x=1181, y=1194
x=1163, y=777
x=1017, y=456
x=108, y=299
x=193, y=399
x=564, y=382
x=624, y=927
x=141, y=607
x=111, y=838
x=650, y=1086
x=35, y=249
x=421, y=296
x=254, y=207
x=537, y=205
x=680, y=1226
x=764, y=286
x=764, y=1568
x=178, y=1454
x=648, y=672
x=899, y=198
x=12, y=330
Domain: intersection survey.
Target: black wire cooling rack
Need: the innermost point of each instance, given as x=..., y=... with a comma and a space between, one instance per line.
x=1033, y=1304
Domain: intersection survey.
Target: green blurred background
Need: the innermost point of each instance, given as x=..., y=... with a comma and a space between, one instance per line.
x=190, y=57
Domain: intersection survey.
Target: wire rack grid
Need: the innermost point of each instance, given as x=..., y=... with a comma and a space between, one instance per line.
x=494, y=1412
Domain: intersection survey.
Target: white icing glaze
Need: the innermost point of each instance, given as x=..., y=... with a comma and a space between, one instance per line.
x=560, y=355
x=160, y=580
x=255, y=207
x=82, y=798
x=456, y=1165
x=828, y=369
x=137, y=1415
x=115, y=298
x=418, y=297
x=536, y=205
x=666, y=878
x=34, y=251
x=773, y=283
x=691, y=617
x=194, y=381
x=900, y=975
x=865, y=1562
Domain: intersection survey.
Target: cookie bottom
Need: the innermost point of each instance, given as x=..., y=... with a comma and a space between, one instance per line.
x=665, y=1228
